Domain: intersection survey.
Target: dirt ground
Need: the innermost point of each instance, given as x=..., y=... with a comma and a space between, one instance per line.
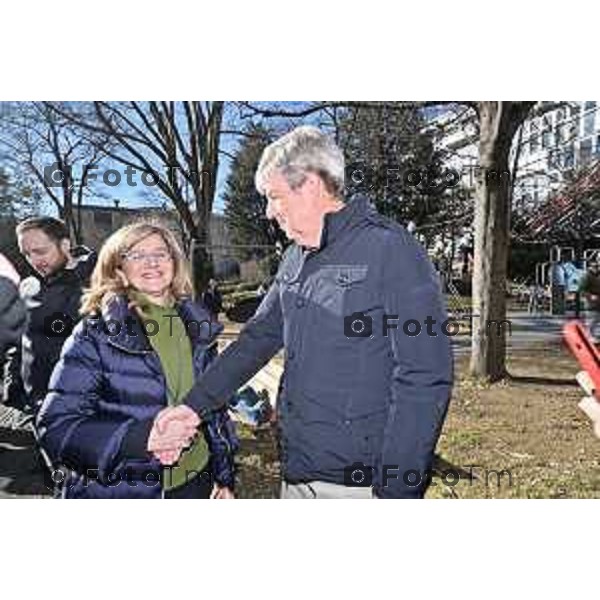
x=521, y=438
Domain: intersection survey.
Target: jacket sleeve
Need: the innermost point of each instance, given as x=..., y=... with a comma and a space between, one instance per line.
x=223, y=443
x=422, y=374
x=219, y=432
x=13, y=314
x=72, y=428
x=258, y=342
x=14, y=390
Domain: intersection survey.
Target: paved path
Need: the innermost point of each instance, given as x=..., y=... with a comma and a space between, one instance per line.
x=526, y=329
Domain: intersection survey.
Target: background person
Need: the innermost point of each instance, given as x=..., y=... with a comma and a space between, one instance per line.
x=589, y=286
x=212, y=298
x=52, y=297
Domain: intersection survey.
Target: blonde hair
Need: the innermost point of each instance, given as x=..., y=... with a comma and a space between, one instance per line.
x=105, y=282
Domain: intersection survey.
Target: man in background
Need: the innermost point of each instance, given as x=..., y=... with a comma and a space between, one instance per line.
x=590, y=288
x=52, y=299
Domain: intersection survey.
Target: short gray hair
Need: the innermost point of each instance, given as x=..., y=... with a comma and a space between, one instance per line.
x=303, y=150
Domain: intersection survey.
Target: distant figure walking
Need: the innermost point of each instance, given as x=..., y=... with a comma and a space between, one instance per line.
x=536, y=297
x=589, y=287
x=212, y=298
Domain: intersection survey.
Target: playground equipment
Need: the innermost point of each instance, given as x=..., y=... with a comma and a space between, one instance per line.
x=563, y=274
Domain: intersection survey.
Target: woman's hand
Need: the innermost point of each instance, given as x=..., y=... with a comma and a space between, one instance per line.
x=221, y=493
x=172, y=432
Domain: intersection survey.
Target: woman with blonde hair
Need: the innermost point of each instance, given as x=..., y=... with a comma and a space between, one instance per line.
x=136, y=352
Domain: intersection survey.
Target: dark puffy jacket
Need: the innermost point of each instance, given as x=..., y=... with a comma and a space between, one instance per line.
x=350, y=394
x=103, y=397
x=13, y=316
x=53, y=311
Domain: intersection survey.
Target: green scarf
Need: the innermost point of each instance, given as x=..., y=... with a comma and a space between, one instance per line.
x=172, y=344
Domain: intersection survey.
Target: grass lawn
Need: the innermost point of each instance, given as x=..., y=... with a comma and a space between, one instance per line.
x=528, y=427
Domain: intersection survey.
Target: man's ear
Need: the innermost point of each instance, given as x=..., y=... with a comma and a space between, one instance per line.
x=65, y=246
x=315, y=185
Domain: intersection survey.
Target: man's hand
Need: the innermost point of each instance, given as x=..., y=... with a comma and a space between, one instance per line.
x=8, y=271
x=591, y=407
x=221, y=493
x=173, y=431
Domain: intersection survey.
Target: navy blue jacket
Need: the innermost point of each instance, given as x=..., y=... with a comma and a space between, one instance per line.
x=103, y=396
x=53, y=312
x=354, y=388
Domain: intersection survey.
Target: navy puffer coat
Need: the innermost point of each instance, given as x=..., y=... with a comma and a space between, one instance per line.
x=103, y=396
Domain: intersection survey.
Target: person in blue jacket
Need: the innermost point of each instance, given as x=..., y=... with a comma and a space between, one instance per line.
x=358, y=310
x=138, y=349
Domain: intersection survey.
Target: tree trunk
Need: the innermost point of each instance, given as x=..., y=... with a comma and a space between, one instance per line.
x=499, y=122
x=202, y=267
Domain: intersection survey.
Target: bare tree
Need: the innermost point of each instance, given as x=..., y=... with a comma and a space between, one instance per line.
x=47, y=149
x=498, y=123
x=175, y=146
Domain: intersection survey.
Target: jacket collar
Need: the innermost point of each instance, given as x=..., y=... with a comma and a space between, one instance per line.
x=336, y=223
x=80, y=268
x=129, y=331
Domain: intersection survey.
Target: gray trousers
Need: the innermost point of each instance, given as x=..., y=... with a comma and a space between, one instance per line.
x=323, y=490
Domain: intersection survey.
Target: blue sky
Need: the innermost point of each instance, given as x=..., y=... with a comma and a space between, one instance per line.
x=143, y=195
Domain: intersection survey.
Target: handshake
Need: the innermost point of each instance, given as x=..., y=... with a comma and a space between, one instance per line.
x=173, y=431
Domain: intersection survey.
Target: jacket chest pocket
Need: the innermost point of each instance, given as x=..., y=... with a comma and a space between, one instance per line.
x=332, y=287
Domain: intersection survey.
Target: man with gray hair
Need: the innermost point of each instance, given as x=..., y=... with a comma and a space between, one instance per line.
x=365, y=388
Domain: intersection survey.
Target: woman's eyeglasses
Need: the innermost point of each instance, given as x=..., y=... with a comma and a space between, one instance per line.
x=138, y=258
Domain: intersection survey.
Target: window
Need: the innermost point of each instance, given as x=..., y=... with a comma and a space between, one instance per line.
x=589, y=119
x=574, y=112
x=585, y=151
x=560, y=131
x=553, y=160
x=546, y=132
x=569, y=159
x=533, y=136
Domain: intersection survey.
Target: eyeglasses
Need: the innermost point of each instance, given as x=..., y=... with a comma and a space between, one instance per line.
x=160, y=256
